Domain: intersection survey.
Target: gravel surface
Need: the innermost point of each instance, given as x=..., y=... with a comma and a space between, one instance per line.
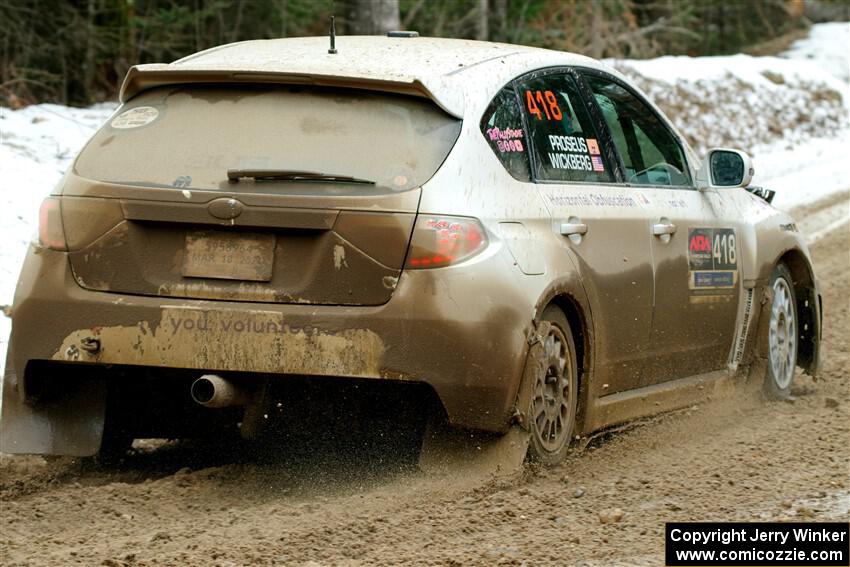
x=184, y=504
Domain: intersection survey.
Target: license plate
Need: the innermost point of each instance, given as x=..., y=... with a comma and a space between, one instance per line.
x=229, y=256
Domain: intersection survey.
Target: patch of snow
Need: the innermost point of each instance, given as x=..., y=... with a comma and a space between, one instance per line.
x=37, y=144
x=828, y=45
x=803, y=173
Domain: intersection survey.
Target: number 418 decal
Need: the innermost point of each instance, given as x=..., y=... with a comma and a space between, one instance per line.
x=723, y=250
x=547, y=101
x=712, y=249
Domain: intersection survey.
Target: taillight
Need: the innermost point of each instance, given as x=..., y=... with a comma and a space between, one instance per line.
x=51, y=233
x=442, y=241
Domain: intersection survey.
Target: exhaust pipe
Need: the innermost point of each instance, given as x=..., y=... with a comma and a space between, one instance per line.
x=213, y=391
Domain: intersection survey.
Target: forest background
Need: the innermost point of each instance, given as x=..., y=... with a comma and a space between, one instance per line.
x=77, y=51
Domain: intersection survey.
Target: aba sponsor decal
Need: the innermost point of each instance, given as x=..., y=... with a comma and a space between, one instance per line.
x=699, y=249
x=700, y=243
x=712, y=258
x=712, y=249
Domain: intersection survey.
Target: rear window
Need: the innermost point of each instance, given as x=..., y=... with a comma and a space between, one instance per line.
x=190, y=136
x=501, y=125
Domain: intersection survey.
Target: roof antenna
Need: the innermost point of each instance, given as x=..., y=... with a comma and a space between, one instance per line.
x=332, y=50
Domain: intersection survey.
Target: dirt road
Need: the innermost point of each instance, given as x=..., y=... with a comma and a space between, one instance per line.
x=179, y=504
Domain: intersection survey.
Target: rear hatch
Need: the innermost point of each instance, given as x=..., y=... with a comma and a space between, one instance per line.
x=319, y=208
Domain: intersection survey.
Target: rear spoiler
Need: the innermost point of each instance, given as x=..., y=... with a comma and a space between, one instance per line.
x=143, y=77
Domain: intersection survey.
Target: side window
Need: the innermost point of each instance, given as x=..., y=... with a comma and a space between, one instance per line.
x=565, y=143
x=502, y=127
x=650, y=152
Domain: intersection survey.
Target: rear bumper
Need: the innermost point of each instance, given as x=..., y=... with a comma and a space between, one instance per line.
x=461, y=330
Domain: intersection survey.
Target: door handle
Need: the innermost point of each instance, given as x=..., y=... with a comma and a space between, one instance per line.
x=569, y=228
x=662, y=228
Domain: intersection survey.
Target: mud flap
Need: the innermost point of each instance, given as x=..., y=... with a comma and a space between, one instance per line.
x=71, y=426
x=534, y=366
x=759, y=360
x=446, y=450
x=810, y=328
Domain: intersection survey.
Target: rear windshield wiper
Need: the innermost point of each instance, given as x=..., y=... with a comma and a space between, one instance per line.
x=234, y=175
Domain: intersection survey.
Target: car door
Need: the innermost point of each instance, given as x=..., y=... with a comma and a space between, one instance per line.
x=603, y=226
x=695, y=243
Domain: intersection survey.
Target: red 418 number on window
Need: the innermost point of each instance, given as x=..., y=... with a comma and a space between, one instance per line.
x=535, y=100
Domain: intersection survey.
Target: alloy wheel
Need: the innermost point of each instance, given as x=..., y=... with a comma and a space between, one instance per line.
x=551, y=406
x=782, y=337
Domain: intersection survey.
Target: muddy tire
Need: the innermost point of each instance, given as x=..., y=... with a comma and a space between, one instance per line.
x=782, y=336
x=554, y=397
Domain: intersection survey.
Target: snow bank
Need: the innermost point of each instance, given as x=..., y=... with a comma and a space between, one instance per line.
x=743, y=101
x=789, y=112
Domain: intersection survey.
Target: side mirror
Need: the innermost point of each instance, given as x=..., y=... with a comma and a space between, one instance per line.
x=725, y=168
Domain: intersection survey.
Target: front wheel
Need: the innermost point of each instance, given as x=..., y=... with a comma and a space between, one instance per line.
x=555, y=393
x=782, y=337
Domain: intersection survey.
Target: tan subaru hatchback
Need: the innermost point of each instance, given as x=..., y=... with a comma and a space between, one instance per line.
x=516, y=234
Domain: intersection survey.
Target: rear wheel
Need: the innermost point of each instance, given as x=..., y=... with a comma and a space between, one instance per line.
x=555, y=393
x=782, y=336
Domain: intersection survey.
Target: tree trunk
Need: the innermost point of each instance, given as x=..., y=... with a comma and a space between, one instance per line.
x=500, y=20
x=371, y=17
x=89, y=60
x=482, y=31
x=597, y=25
x=284, y=13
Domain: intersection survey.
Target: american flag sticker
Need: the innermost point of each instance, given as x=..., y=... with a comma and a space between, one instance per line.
x=592, y=146
x=597, y=163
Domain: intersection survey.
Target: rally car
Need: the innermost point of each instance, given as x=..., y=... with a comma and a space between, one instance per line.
x=518, y=233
